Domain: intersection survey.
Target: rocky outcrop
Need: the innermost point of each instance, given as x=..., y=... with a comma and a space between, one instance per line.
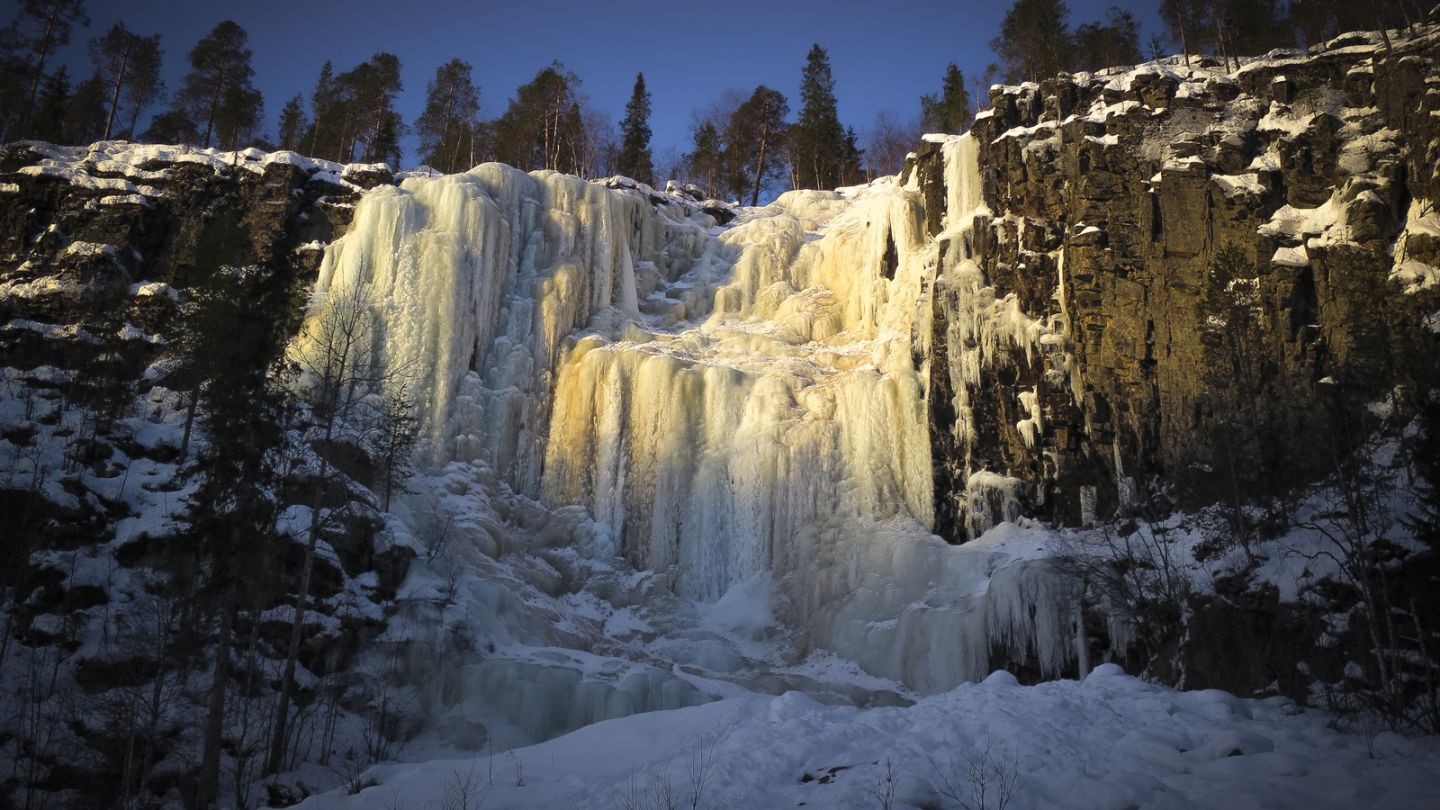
x=1307, y=180
x=99, y=246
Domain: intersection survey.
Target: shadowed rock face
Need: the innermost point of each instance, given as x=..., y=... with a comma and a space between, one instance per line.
x=173, y=217
x=92, y=238
x=1112, y=197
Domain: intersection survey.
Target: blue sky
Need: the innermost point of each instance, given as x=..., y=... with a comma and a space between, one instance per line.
x=884, y=54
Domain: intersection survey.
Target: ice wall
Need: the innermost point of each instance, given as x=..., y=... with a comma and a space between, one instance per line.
x=708, y=444
x=730, y=405
x=476, y=279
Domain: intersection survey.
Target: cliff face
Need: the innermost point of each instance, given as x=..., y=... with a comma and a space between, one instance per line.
x=1232, y=261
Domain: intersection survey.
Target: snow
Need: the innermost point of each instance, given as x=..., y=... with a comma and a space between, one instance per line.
x=1290, y=257
x=49, y=330
x=1295, y=222
x=1237, y=184
x=146, y=289
x=91, y=167
x=1109, y=741
x=1421, y=221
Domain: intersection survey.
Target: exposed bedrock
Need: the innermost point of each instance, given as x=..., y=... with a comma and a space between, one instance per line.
x=1309, y=179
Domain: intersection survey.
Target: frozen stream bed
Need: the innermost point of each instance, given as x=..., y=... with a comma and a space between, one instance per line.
x=1110, y=741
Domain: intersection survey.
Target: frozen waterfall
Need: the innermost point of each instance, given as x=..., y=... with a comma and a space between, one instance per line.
x=731, y=405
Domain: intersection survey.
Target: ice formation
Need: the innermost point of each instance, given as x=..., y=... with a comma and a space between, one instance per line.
x=730, y=405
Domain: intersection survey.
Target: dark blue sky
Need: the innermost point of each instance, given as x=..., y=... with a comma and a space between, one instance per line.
x=884, y=53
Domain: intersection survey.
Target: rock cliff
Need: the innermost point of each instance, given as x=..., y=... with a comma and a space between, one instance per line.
x=1232, y=262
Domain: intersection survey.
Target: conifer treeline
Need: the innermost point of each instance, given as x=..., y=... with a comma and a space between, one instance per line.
x=741, y=146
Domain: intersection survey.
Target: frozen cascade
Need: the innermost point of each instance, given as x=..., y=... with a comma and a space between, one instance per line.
x=730, y=405
x=982, y=331
x=477, y=278
x=708, y=445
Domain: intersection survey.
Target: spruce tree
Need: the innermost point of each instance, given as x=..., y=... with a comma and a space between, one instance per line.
x=852, y=171
x=817, y=140
x=542, y=127
x=12, y=86
x=353, y=114
x=948, y=112
x=231, y=343
x=448, y=124
x=1189, y=24
x=85, y=112
x=635, y=159
x=130, y=65
x=704, y=159
x=49, y=123
x=292, y=124
x=322, y=136
x=172, y=126
x=217, y=93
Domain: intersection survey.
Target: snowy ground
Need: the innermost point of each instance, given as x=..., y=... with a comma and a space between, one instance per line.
x=1110, y=741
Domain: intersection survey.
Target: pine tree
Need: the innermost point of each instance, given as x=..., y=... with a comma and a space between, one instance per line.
x=948, y=112
x=1034, y=41
x=217, y=93
x=635, y=160
x=817, y=141
x=704, y=158
x=755, y=143
x=1189, y=24
x=853, y=170
x=130, y=65
x=369, y=91
x=292, y=124
x=322, y=136
x=1116, y=41
x=448, y=124
x=41, y=29
x=542, y=127
x=144, y=86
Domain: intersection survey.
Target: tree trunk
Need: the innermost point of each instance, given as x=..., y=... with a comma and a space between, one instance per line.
x=760, y=168
x=276, y=760
x=115, y=91
x=189, y=423
x=1184, y=46
x=45, y=46
x=214, y=105
x=208, y=787
x=134, y=120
